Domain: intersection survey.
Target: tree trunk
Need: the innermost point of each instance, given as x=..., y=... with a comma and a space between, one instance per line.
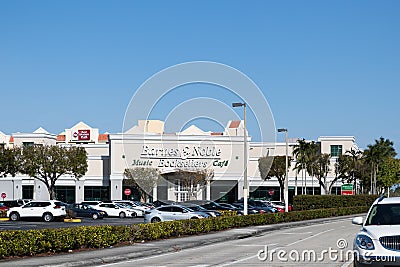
x=52, y=192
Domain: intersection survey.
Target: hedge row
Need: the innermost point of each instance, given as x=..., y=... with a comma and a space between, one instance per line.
x=32, y=242
x=309, y=202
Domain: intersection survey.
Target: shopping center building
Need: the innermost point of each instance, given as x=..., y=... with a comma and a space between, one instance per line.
x=147, y=145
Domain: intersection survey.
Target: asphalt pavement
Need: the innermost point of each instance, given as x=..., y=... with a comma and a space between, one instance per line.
x=145, y=249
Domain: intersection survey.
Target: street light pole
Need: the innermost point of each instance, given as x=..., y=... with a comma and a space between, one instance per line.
x=286, y=189
x=245, y=184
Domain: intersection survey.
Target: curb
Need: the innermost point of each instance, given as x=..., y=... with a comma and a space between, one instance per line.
x=254, y=231
x=72, y=220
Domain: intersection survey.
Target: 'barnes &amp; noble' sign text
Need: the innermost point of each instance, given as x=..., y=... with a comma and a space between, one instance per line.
x=186, y=157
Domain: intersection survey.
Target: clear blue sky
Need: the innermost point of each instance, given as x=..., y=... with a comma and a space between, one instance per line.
x=325, y=67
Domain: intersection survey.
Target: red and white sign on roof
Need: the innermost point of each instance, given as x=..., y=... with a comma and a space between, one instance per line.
x=81, y=135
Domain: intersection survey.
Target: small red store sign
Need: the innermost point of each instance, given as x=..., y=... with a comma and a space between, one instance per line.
x=81, y=135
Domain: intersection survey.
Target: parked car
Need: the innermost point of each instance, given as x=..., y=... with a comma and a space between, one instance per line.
x=209, y=205
x=240, y=207
x=280, y=205
x=3, y=207
x=159, y=203
x=172, y=212
x=259, y=205
x=85, y=210
x=48, y=210
x=15, y=203
x=133, y=205
x=115, y=210
x=91, y=202
x=211, y=213
x=378, y=243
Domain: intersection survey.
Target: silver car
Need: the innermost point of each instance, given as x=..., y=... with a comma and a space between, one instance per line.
x=172, y=212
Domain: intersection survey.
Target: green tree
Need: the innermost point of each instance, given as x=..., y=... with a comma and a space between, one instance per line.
x=319, y=168
x=48, y=163
x=10, y=161
x=344, y=167
x=377, y=154
x=275, y=170
x=143, y=180
x=389, y=173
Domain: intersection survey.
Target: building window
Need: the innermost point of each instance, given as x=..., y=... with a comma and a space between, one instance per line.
x=97, y=193
x=336, y=150
x=65, y=193
x=27, y=191
x=26, y=144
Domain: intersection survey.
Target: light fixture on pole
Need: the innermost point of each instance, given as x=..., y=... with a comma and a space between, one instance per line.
x=286, y=189
x=245, y=185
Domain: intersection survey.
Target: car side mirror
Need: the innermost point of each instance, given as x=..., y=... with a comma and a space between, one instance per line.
x=184, y=211
x=357, y=220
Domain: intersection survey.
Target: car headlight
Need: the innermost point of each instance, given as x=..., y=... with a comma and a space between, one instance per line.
x=364, y=242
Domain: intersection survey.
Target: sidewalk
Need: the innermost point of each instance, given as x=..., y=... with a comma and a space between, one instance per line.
x=151, y=248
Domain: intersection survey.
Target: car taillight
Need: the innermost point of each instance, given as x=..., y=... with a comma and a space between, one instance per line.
x=262, y=211
x=57, y=207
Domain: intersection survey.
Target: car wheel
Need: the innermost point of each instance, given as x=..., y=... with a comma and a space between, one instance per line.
x=122, y=214
x=48, y=217
x=155, y=219
x=95, y=216
x=14, y=216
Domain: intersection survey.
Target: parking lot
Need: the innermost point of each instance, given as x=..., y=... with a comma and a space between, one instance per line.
x=32, y=224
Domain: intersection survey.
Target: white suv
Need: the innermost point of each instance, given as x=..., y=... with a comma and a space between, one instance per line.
x=378, y=243
x=46, y=209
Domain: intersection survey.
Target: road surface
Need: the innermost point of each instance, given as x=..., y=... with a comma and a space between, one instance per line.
x=326, y=244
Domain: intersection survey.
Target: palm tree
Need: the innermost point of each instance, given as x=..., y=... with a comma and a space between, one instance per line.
x=355, y=155
x=303, y=153
x=376, y=154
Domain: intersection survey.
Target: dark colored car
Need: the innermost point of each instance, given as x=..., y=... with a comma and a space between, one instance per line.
x=259, y=205
x=210, y=205
x=159, y=203
x=250, y=209
x=85, y=210
x=3, y=207
x=14, y=203
x=212, y=213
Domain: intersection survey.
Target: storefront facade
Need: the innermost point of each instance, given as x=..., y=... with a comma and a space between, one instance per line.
x=146, y=145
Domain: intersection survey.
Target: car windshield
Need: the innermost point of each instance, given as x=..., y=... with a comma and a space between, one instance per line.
x=196, y=208
x=384, y=214
x=188, y=209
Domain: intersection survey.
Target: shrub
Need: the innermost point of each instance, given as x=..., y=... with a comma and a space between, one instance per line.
x=31, y=242
x=308, y=202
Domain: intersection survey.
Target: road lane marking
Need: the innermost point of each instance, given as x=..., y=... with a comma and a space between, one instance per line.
x=295, y=233
x=273, y=244
x=306, y=238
